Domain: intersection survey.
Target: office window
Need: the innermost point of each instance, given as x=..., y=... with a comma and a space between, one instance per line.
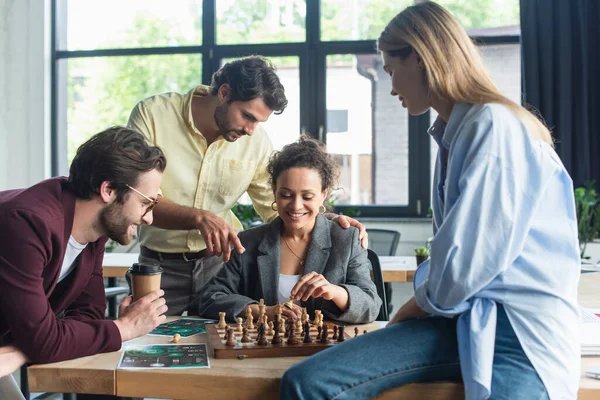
x=372, y=151
x=101, y=92
x=260, y=21
x=106, y=61
x=357, y=19
x=337, y=121
x=110, y=24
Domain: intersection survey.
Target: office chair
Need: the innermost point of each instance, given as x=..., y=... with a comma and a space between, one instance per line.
x=384, y=242
x=378, y=279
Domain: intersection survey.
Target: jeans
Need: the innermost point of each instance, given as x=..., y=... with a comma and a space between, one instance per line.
x=422, y=350
x=182, y=281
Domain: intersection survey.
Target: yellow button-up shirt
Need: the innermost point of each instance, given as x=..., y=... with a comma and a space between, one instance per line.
x=210, y=178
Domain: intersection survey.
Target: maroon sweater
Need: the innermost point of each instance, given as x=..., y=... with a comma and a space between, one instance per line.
x=35, y=225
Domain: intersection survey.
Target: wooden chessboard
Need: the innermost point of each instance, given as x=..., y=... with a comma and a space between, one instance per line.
x=252, y=350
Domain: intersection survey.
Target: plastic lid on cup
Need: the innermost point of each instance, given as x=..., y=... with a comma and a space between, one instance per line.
x=146, y=268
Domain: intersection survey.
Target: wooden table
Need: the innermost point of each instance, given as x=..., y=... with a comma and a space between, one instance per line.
x=395, y=269
x=240, y=379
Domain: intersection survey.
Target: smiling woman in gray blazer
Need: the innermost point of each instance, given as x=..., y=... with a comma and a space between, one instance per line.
x=301, y=255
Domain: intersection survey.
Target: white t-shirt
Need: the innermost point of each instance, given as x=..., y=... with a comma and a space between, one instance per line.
x=286, y=283
x=73, y=250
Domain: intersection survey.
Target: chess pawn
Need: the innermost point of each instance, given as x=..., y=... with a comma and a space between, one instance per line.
x=226, y=332
x=222, y=324
x=271, y=328
x=298, y=325
x=282, y=326
x=355, y=331
x=365, y=332
x=319, y=329
x=341, y=337
x=335, y=332
x=292, y=339
x=230, y=338
x=245, y=337
x=240, y=327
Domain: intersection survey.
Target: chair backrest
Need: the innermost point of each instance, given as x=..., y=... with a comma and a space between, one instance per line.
x=378, y=280
x=384, y=242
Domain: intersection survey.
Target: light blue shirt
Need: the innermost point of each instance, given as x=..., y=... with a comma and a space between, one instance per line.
x=505, y=231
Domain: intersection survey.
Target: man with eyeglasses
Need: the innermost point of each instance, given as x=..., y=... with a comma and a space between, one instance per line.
x=218, y=152
x=52, y=243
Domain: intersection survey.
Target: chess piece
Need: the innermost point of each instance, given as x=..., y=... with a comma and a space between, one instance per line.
x=245, y=337
x=230, y=338
x=365, y=332
x=307, y=338
x=249, y=319
x=355, y=331
x=298, y=325
x=324, y=335
x=292, y=339
x=225, y=334
x=276, y=338
x=341, y=337
x=261, y=310
x=261, y=339
x=222, y=324
x=317, y=317
x=271, y=328
x=176, y=338
x=239, y=325
x=335, y=332
x=319, y=329
x=290, y=303
x=281, y=325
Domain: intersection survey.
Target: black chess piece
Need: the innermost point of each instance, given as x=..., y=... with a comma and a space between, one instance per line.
x=292, y=339
x=341, y=337
x=245, y=337
x=261, y=339
x=307, y=338
x=335, y=332
x=324, y=335
x=230, y=338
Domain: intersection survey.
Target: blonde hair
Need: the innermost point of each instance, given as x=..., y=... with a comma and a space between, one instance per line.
x=453, y=66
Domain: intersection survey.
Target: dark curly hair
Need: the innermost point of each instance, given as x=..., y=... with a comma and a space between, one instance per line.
x=251, y=77
x=305, y=153
x=118, y=155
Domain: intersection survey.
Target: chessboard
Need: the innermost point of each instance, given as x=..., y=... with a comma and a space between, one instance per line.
x=216, y=338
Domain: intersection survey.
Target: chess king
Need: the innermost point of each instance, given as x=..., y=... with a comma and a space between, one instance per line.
x=300, y=255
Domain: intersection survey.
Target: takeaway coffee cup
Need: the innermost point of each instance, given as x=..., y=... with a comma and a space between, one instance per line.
x=145, y=278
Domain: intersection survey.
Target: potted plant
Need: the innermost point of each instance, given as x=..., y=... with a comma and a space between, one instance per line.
x=422, y=254
x=588, y=214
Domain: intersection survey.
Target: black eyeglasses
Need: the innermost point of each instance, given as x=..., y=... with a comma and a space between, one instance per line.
x=153, y=202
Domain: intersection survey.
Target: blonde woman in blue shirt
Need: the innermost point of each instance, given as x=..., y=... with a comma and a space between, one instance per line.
x=496, y=304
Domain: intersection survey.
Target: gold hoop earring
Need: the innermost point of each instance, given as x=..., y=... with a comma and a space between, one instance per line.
x=324, y=209
x=274, y=206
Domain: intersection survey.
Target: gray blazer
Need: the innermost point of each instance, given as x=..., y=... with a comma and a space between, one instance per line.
x=334, y=252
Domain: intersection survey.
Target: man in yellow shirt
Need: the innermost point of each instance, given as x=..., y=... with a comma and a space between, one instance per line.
x=217, y=151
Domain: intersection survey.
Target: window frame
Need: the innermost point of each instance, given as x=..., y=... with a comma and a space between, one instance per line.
x=312, y=56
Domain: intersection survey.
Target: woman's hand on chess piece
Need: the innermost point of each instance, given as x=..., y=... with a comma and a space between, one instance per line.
x=293, y=313
x=315, y=285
